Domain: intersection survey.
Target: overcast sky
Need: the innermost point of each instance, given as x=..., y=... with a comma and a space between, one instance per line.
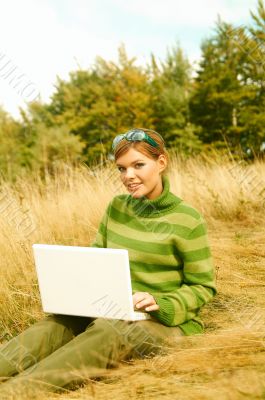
x=44, y=38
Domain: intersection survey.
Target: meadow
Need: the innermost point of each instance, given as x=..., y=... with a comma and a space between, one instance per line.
x=65, y=207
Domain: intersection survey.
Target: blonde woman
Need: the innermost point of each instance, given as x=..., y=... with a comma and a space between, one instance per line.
x=172, y=277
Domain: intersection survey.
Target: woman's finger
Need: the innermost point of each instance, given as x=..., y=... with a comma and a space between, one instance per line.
x=140, y=296
x=146, y=302
x=154, y=307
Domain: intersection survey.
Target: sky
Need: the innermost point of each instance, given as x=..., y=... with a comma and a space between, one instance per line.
x=43, y=39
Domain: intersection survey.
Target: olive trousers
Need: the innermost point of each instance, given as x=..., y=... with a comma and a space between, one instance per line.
x=61, y=351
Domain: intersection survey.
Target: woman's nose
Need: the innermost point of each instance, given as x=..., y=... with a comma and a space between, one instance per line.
x=130, y=173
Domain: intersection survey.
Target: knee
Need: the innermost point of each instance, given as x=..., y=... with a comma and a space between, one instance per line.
x=54, y=325
x=143, y=339
x=50, y=322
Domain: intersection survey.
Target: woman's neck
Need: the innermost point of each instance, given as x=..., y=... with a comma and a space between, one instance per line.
x=160, y=205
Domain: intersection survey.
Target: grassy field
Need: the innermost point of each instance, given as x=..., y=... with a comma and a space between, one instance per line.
x=228, y=360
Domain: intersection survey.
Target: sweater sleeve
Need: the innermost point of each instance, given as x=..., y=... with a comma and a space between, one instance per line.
x=101, y=235
x=198, y=285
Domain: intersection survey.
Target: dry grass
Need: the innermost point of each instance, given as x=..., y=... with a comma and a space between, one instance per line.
x=228, y=361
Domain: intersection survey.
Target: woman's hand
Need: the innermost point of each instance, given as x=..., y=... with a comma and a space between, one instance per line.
x=144, y=300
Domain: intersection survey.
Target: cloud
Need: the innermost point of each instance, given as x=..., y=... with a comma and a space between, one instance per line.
x=46, y=38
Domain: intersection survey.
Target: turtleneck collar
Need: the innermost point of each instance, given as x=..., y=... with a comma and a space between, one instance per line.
x=166, y=201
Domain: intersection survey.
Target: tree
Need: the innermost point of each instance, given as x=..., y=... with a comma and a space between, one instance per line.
x=228, y=102
x=170, y=88
x=254, y=46
x=98, y=103
x=11, y=146
x=55, y=144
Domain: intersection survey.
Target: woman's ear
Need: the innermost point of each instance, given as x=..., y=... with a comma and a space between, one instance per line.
x=162, y=162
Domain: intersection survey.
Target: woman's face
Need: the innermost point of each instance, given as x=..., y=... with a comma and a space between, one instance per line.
x=141, y=174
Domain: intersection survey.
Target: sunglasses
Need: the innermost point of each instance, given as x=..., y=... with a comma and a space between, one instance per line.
x=136, y=135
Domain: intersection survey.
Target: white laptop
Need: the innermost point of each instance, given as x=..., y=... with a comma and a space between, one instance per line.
x=85, y=281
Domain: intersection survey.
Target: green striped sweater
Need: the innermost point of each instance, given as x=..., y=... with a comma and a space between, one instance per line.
x=169, y=253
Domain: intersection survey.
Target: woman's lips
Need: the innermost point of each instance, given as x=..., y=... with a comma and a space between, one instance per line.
x=134, y=187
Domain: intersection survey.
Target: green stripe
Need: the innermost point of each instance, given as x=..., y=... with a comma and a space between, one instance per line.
x=200, y=298
x=144, y=267
x=102, y=229
x=199, y=231
x=184, y=303
x=187, y=209
x=200, y=277
x=199, y=266
x=157, y=277
x=196, y=255
x=155, y=248
x=188, y=295
x=142, y=225
x=146, y=236
x=183, y=213
x=137, y=256
x=192, y=245
x=158, y=287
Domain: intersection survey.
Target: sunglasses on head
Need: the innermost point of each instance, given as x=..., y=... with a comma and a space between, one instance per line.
x=136, y=135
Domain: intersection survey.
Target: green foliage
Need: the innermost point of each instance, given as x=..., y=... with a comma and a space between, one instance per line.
x=101, y=102
x=11, y=145
x=218, y=92
x=54, y=144
x=229, y=98
x=27, y=146
x=170, y=88
x=221, y=107
x=110, y=98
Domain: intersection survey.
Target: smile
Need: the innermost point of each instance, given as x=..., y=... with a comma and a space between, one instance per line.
x=134, y=187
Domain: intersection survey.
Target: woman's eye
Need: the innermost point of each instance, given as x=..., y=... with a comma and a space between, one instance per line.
x=138, y=164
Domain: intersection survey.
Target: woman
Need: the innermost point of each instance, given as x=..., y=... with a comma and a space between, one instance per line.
x=171, y=270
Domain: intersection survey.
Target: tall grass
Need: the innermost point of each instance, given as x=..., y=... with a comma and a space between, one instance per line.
x=65, y=207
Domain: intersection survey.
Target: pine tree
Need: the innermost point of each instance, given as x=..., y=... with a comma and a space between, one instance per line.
x=228, y=102
x=170, y=88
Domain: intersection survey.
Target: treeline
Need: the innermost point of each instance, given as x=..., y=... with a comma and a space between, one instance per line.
x=220, y=105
